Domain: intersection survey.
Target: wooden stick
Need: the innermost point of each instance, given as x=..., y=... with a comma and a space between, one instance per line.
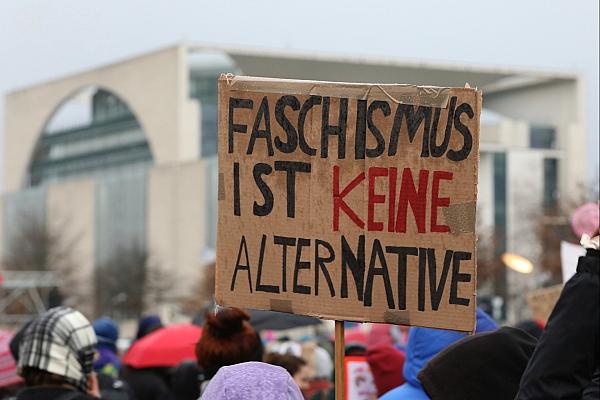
x=339, y=361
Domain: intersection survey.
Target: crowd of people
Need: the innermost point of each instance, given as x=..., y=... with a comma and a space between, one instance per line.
x=60, y=355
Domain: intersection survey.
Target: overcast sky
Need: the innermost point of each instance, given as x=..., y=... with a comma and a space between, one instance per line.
x=41, y=40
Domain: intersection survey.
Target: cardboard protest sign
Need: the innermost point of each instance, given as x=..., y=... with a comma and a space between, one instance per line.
x=541, y=302
x=360, y=384
x=348, y=201
x=569, y=257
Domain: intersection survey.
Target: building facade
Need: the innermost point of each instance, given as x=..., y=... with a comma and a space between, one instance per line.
x=141, y=170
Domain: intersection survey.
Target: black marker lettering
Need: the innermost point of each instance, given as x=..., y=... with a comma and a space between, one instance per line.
x=260, y=287
x=265, y=209
x=242, y=267
x=235, y=128
x=458, y=277
x=291, y=144
x=297, y=288
x=263, y=113
x=377, y=253
x=320, y=262
x=291, y=167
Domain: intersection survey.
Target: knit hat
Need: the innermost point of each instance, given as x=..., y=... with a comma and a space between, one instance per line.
x=423, y=345
x=484, y=366
x=252, y=381
x=386, y=364
x=107, y=332
x=60, y=341
x=148, y=324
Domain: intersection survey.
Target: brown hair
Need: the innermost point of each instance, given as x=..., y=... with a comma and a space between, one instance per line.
x=38, y=377
x=227, y=339
x=290, y=362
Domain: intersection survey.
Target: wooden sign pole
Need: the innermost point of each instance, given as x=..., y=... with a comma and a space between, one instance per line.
x=339, y=361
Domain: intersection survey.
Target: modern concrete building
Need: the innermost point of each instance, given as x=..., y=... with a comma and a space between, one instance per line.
x=141, y=169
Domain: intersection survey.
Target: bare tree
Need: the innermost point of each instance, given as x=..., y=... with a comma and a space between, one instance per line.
x=36, y=246
x=158, y=285
x=488, y=258
x=553, y=225
x=129, y=282
x=203, y=291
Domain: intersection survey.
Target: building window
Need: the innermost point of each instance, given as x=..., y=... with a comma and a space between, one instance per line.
x=542, y=137
x=551, y=193
x=500, y=210
x=203, y=87
x=109, y=139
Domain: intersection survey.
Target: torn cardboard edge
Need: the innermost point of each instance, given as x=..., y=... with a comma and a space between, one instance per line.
x=221, y=187
x=431, y=96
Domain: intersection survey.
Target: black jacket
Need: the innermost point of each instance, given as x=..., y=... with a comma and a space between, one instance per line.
x=148, y=383
x=52, y=393
x=565, y=363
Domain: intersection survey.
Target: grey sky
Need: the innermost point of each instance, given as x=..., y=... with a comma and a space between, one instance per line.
x=41, y=40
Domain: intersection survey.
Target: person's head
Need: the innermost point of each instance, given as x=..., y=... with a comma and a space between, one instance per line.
x=386, y=363
x=148, y=324
x=107, y=333
x=58, y=349
x=296, y=366
x=227, y=339
x=252, y=381
x=423, y=344
x=484, y=366
x=184, y=381
x=531, y=326
x=15, y=342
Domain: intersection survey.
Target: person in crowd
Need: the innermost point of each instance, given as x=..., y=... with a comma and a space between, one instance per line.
x=321, y=364
x=423, y=345
x=566, y=361
x=148, y=324
x=296, y=366
x=355, y=341
x=531, y=326
x=484, y=366
x=184, y=381
x=252, y=381
x=56, y=353
x=148, y=383
x=10, y=381
x=107, y=361
x=386, y=363
x=15, y=342
x=227, y=339
x=380, y=334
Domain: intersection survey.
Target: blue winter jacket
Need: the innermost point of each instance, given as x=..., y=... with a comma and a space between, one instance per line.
x=423, y=345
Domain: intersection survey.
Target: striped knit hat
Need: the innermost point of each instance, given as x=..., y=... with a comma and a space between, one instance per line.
x=62, y=342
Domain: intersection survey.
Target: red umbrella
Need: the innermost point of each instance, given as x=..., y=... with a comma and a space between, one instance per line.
x=8, y=368
x=355, y=336
x=165, y=347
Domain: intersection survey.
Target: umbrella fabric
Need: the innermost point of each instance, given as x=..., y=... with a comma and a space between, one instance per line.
x=165, y=347
x=277, y=321
x=270, y=320
x=356, y=336
x=8, y=368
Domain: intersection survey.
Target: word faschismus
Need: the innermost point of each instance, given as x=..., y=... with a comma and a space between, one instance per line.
x=294, y=122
